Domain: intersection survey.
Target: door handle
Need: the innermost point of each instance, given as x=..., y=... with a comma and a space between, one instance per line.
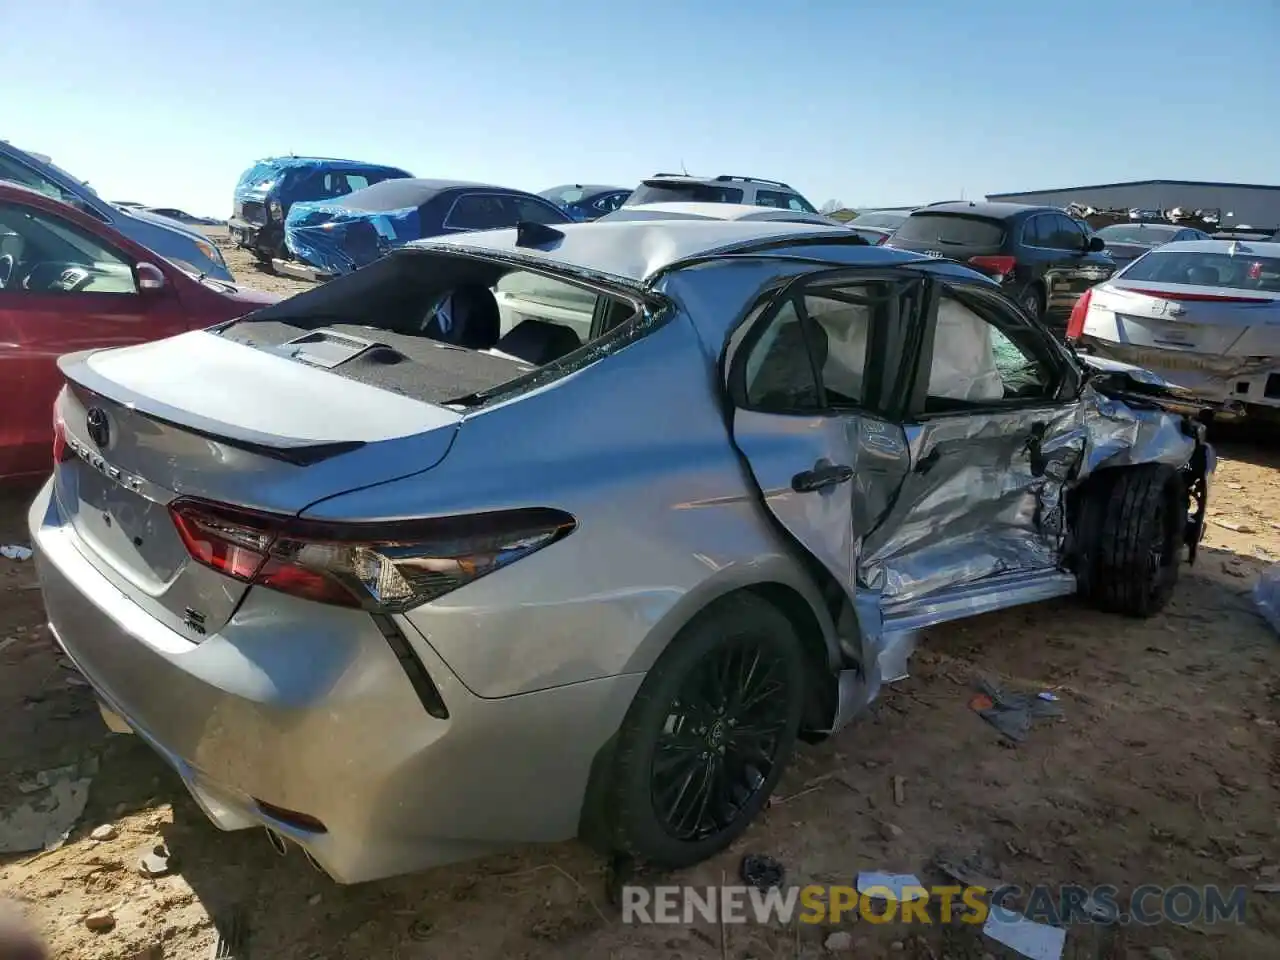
x=822, y=475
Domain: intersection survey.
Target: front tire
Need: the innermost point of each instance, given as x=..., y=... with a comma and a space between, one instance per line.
x=708, y=735
x=1132, y=526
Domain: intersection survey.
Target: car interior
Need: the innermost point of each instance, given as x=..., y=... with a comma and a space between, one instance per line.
x=41, y=254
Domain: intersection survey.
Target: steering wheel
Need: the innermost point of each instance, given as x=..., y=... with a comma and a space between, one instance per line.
x=6, y=269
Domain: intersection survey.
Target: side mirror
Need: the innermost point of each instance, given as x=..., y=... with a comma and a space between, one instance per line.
x=150, y=277
x=1095, y=245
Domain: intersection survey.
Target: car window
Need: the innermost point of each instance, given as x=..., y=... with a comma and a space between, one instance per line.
x=356, y=182
x=779, y=374
x=951, y=229
x=1242, y=271
x=1067, y=235
x=814, y=351
x=977, y=364
x=43, y=253
x=674, y=191
x=1037, y=232
x=610, y=202
x=529, y=210
x=478, y=211
x=20, y=173
x=783, y=201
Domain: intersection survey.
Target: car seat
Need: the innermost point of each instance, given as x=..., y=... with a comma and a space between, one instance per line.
x=473, y=318
x=1203, y=276
x=538, y=341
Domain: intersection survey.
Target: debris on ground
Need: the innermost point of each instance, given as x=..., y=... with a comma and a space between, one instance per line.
x=100, y=920
x=14, y=551
x=1036, y=941
x=157, y=863
x=903, y=887
x=104, y=833
x=1266, y=596
x=55, y=800
x=973, y=870
x=899, y=790
x=761, y=872
x=1231, y=525
x=1010, y=713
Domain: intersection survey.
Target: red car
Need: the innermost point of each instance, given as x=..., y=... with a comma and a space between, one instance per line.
x=69, y=282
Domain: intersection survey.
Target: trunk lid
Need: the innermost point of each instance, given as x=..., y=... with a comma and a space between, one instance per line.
x=1125, y=253
x=199, y=415
x=1206, y=320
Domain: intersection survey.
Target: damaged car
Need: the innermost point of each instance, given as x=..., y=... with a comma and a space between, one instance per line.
x=1202, y=314
x=267, y=191
x=405, y=566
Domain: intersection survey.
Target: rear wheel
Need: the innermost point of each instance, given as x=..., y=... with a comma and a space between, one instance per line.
x=708, y=735
x=1132, y=526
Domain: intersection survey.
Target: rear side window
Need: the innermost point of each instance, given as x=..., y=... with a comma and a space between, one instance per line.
x=676, y=192
x=16, y=172
x=951, y=229
x=783, y=201
x=1243, y=271
x=478, y=211
x=532, y=211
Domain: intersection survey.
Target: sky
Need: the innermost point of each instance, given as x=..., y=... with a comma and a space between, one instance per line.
x=870, y=102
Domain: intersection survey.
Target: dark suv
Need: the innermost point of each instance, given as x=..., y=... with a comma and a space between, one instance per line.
x=1040, y=256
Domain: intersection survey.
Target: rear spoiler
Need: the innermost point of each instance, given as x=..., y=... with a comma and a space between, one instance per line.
x=82, y=379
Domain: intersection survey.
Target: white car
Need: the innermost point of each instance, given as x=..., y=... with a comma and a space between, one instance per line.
x=752, y=191
x=718, y=211
x=1202, y=314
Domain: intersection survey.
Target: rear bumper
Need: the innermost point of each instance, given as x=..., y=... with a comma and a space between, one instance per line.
x=1215, y=381
x=314, y=714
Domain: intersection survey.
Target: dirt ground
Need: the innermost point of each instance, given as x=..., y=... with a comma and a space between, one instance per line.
x=1163, y=767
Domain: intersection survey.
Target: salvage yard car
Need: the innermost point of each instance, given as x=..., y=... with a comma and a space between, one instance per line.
x=405, y=590
x=266, y=192
x=1043, y=258
x=68, y=282
x=1203, y=314
x=161, y=235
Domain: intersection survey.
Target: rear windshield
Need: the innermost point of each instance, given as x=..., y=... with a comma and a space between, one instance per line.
x=1124, y=233
x=885, y=221
x=675, y=192
x=1243, y=271
x=951, y=230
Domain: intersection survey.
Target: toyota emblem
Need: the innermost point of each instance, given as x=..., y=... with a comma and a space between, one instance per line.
x=98, y=427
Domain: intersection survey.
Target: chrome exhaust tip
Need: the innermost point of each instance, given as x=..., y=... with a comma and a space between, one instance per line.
x=277, y=842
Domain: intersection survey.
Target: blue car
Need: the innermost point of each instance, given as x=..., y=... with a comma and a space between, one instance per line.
x=187, y=248
x=587, y=201
x=338, y=236
x=267, y=191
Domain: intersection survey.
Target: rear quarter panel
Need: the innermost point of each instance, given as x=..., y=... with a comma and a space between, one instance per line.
x=635, y=447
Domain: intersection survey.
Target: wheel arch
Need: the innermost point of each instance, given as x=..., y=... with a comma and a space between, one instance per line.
x=791, y=591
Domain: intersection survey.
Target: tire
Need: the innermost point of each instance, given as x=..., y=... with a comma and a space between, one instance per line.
x=1030, y=303
x=1132, y=525
x=641, y=794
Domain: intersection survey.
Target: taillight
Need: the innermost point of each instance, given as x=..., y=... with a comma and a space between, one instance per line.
x=996, y=267
x=385, y=567
x=60, y=451
x=1079, y=313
